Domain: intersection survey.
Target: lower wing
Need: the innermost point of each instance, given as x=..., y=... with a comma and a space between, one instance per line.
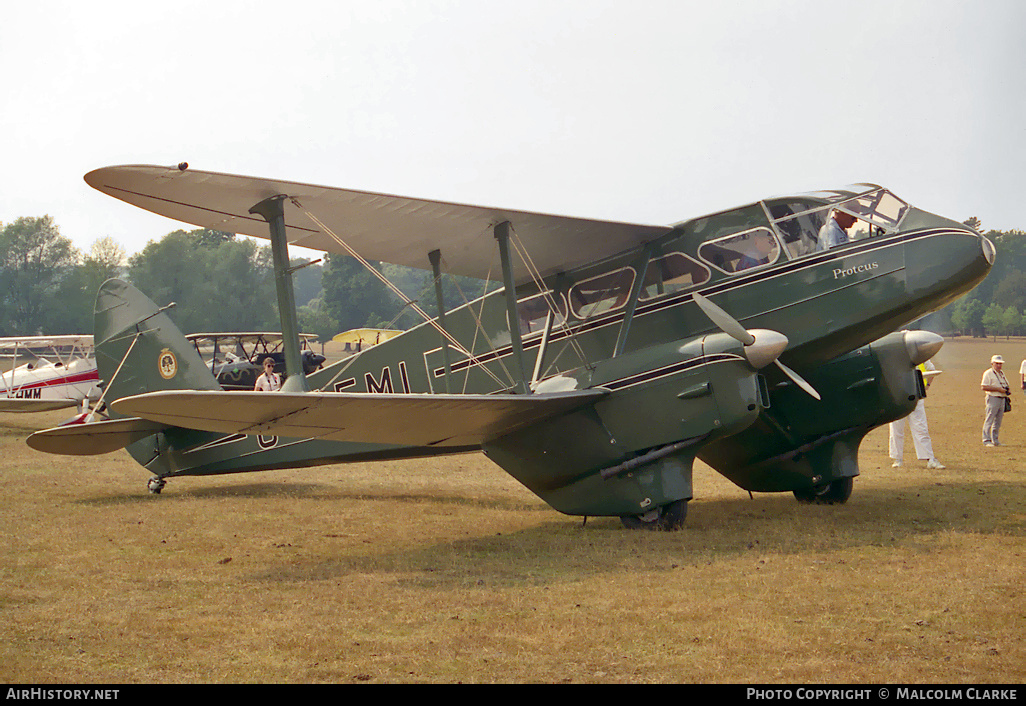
x=409, y=420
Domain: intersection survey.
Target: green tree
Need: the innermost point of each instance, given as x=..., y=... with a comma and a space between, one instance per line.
x=1010, y=320
x=967, y=316
x=313, y=320
x=73, y=306
x=218, y=284
x=306, y=280
x=992, y=320
x=1011, y=290
x=354, y=297
x=34, y=258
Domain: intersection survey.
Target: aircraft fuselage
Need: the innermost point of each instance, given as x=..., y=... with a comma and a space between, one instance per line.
x=630, y=324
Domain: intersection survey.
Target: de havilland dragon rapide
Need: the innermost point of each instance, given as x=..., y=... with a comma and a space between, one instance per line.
x=765, y=340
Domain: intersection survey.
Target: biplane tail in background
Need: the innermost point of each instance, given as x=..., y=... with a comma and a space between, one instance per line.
x=237, y=359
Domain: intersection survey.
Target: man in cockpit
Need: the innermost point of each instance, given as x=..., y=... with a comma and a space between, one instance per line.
x=835, y=231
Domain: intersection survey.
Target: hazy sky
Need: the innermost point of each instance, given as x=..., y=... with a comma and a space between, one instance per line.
x=641, y=111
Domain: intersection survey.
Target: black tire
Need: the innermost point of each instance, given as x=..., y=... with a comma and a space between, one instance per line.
x=835, y=493
x=670, y=518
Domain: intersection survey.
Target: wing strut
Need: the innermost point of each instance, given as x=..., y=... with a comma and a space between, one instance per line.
x=641, y=265
x=272, y=211
x=435, y=256
x=502, y=235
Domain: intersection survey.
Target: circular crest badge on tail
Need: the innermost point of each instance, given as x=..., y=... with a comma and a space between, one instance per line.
x=167, y=364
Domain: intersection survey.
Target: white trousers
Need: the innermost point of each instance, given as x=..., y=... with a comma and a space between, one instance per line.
x=920, y=435
x=993, y=413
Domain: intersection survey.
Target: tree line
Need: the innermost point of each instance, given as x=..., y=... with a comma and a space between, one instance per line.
x=997, y=306
x=218, y=282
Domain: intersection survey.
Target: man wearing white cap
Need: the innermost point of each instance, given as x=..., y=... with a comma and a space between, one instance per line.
x=998, y=400
x=917, y=425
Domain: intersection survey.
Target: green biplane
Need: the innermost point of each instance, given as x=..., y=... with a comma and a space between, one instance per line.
x=763, y=340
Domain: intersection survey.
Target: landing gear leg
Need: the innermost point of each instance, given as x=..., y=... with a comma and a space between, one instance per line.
x=668, y=518
x=155, y=485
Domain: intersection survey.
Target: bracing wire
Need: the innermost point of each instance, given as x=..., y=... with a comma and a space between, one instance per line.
x=395, y=290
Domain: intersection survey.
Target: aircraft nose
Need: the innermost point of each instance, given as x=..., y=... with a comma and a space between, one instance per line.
x=922, y=345
x=767, y=347
x=943, y=263
x=989, y=251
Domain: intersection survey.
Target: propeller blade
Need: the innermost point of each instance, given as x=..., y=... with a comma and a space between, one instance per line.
x=733, y=328
x=798, y=380
x=727, y=323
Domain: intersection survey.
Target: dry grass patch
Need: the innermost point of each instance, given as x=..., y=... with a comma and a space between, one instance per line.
x=447, y=570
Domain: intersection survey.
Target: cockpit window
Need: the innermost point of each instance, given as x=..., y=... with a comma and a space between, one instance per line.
x=601, y=294
x=672, y=273
x=810, y=223
x=801, y=230
x=881, y=208
x=742, y=251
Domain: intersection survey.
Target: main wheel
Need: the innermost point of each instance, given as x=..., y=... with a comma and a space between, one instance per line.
x=835, y=493
x=668, y=518
x=155, y=485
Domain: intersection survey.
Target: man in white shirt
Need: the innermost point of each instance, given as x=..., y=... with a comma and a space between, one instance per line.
x=920, y=430
x=997, y=392
x=269, y=381
x=835, y=231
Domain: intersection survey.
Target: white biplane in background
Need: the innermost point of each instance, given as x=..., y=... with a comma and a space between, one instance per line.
x=48, y=372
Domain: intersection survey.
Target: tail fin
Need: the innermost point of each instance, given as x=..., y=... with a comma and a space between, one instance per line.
x=139, y=349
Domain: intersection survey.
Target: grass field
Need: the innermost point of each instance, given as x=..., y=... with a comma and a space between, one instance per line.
x=449, y=571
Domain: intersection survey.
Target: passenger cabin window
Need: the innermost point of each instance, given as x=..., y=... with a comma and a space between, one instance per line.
x=742, y=251
x=532, y=312
x=601, y=294
x=672, y=273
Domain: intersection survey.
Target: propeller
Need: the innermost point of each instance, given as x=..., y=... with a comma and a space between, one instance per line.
x=733, y=328
x=798, y=380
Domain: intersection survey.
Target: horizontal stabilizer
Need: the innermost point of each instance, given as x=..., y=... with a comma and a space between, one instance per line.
x=406, y=420
x=94, y=438
x=14, y=404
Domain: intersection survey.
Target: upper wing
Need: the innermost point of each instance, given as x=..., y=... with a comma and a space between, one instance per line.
x=14, y=404
x=393, y=229
x=10, y=342
x=407, y=420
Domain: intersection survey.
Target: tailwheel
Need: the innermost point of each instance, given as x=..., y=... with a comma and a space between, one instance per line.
x=835, y=493
x=667, y=518
x=155, y=485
